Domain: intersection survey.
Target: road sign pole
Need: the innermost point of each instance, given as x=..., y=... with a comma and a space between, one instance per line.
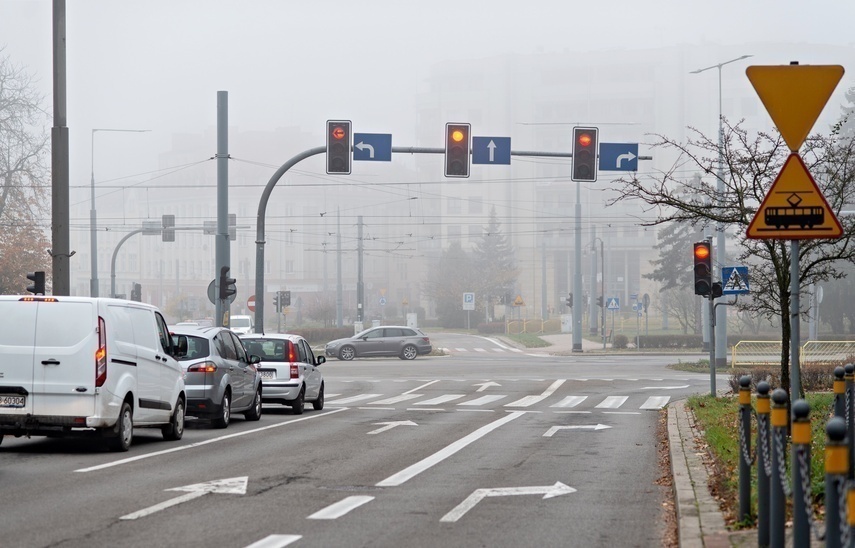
x=712, y=344
x=795, y=330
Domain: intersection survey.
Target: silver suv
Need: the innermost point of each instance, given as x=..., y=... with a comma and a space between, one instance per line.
x=289, y=370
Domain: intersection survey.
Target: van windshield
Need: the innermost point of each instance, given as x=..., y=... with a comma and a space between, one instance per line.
x=240, y=322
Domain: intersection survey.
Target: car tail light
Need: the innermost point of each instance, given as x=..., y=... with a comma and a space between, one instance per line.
x=295, y=371
x=292, y=352
x=202, y=367
x=101, y=354
x=426, y=339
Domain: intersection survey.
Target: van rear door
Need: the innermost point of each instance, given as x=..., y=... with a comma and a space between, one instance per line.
x=66, y=340
x=17, y=348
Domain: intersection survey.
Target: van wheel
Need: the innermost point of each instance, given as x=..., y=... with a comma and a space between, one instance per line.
x=175, y=429
x=254, y=412
x=300, y=403
x=226, y=412
x=318, y=404
x=123, y=434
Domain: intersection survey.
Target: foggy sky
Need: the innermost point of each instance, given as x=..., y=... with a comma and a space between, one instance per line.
x=158, y=64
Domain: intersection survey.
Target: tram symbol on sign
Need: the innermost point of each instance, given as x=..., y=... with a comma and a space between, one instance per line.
x=796, y=215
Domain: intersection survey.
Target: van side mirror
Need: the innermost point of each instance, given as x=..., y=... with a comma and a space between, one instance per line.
x=179, y=349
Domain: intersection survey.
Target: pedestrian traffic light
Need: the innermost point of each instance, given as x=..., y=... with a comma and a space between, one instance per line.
x=703, y=268
x=338, y=147
x=277, y=305
x=716, y=290
x=585, y=154
x=227, y=285
x=569, y=300
x=38, y=285
x=286, y=298
x=136, y=292
x=600, y=301
x=457, y=147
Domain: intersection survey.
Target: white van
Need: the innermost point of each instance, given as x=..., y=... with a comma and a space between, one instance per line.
x=242, y=325
x=88, y=366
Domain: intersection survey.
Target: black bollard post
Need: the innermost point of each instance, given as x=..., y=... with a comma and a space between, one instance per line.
x=777, y=498
x=836, y=465
x=849, y=376
x=764, y=463
x=744, y=448
x=800, y=464
x=840, y=393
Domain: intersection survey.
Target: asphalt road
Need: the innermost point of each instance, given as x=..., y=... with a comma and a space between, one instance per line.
x=474, y=449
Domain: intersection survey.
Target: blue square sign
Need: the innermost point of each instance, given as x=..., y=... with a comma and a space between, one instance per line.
x=491, y=150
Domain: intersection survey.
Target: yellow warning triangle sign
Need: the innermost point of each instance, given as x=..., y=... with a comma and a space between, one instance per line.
x=794, y=95
x=794, y=208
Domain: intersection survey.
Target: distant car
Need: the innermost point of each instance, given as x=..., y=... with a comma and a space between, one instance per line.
x=242, y=325
x=221, y=378
x=289, y=370
x=389, y=340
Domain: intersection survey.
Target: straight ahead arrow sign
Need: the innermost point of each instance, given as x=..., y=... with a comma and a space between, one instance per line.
x=486, y=385
x=548, y=492
x=231, y=486
x=551, y=432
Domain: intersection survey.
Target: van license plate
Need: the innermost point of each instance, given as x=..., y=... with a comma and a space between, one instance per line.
x=13, y=401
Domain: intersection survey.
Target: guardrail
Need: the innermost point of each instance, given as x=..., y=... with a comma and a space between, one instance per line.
x=754, y=353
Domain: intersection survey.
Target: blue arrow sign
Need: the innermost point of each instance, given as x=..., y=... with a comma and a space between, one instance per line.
x=734, y=280
x=491, y=150
x=372, y=147
x=618, y=156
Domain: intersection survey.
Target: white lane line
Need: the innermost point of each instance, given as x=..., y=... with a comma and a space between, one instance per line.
x=206, y=442
x=621, y=413
x=663, y=387
x=425, y=385
x=340, y=508
x=440, y=399
x=331, y=396
x=498, y=350
x=412, y=471
x=163, y=505
x=574, y=412
x=483, y=400
x=531, y=400
x=612, y=402
x=656, y=402
x=275, y=541
x=425, y=409
x=376, y=408
x=352, y=399
x=570, y=401
x=396, y=399
x=462, y=349
x=478, y=410
x=515, y=350
x=480, y=350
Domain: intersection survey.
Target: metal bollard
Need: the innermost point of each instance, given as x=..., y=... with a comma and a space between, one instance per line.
x=777, y=498
x=839, y=393
x=764, y=463
x=849, y=377
x=850, y=511
x=836, y=465
x=802, y=506
x=744, y=448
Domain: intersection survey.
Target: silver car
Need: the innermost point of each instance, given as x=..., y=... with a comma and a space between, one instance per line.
x=221, y=378
x=389, y=340
x=289, y=370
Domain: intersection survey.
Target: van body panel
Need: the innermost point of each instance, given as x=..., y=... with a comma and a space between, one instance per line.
x=17, y=353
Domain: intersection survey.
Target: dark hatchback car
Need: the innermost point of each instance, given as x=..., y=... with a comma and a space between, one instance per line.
x=220, y=377
x=389, y=340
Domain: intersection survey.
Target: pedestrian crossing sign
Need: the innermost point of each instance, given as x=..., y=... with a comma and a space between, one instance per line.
x=734, y=280
x=613, y=303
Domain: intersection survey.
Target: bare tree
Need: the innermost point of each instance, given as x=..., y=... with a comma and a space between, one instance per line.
x=750, y=165
x=24, y=178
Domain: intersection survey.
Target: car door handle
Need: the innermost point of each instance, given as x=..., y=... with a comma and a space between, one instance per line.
x=50, y=361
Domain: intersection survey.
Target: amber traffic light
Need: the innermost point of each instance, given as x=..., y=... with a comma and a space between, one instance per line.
x=457, y=149
x=703, y=268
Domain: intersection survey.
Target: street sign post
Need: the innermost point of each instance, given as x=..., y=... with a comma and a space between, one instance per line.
x=469, y=301
x=491, y=150
x=372, y=147
x=618, y=156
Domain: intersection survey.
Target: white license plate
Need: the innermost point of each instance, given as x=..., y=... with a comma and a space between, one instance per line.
x=13, y=401
x=268, y=375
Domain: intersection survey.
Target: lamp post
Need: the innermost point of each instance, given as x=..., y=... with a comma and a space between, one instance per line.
x=602, y=286
x=721, y=313
x=93, y=217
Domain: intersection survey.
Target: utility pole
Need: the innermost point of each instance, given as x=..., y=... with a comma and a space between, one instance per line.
x=222, y=238
x=60, y=252
x=360, y=287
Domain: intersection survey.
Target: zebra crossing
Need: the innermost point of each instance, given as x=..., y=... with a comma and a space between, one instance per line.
x=559, y=403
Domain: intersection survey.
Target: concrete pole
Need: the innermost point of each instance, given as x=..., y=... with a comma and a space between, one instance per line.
x=339, y=316
x=60, y=243
x=577, y=274
x=360, y=286
x=222, y=239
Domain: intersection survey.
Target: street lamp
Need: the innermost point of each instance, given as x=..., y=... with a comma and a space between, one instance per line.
x=93, y=217
x=602, y=285
x=721, y=312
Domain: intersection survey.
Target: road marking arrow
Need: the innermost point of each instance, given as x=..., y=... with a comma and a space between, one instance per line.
x=492, y=146
x=548, y=492
x=551, y=432
x=362, y=145
x=486, y=385
x=629, y=156
x=230, y=486
x=390, y=425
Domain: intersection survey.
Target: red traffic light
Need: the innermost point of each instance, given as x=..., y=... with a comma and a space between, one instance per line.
x=585, y=139
x=338, y=132
x=702, y=251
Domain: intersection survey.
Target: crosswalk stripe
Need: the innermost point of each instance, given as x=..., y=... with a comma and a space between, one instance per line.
x=656, y=402
x=483, y=400
x=461, y=349
x=480, y=350
x=531, y=400
x=498, y=350
x=440, y=399
x=612, y=402
x=353, y=399
x=570, y=401
x=397, y=399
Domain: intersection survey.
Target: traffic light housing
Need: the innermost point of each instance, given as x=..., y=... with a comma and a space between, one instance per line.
x=717, y=290
x=338, y=147
x=227, y=285
x=167, y=225
x=585, y=154
x=703, y=268
x=277, y=305
x=457, y=149
x=569, y=301
x=286, y=299
x=38, y=285
x=136, y=292
x=600, y=301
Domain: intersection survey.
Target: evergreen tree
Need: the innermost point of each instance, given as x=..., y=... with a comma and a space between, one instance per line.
x=495, y=263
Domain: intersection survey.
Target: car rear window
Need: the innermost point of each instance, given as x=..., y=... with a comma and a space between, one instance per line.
x=197, y=347
x=269, y=350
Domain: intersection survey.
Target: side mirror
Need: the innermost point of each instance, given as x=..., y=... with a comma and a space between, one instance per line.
x=320, y=359
x=179, y=349
x=253, y=359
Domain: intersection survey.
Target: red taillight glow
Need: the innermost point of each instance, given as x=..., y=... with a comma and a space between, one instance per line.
x=101, y=354
x=292, y=352
x=204, y=367
x=295, y=371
